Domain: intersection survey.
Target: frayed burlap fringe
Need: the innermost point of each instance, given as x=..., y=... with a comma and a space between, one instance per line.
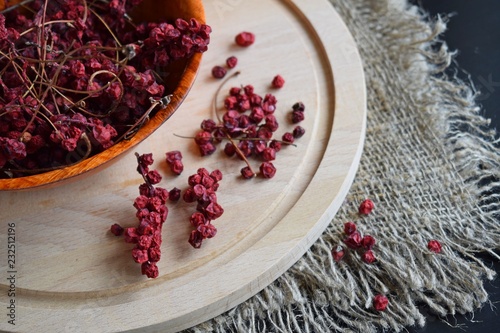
x=429, y=164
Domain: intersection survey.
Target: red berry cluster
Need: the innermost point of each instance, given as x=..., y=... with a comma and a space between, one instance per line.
x=249, y=124
x=355, y=240
x=78, y=76
x=203, y=185
x=151, y=213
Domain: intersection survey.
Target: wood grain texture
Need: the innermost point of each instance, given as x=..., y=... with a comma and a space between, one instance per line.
x=74, y=276
x=184, y=75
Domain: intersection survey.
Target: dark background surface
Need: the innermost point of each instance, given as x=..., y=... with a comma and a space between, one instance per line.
x=474, y=32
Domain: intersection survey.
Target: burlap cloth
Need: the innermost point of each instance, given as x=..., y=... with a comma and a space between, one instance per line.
x=429, y=164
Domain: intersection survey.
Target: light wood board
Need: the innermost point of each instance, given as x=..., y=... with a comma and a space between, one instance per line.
x=72, y=275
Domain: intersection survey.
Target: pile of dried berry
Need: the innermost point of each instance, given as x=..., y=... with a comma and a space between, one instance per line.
x=79, y=76
x=249, y=122
x=152, y=212
x=355, y=241
x=248, y=125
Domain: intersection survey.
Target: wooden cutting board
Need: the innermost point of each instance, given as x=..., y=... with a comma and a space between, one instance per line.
x=72, y=275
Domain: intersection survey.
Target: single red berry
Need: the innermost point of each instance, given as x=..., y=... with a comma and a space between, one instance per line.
x=131, y=235
x=140, y=255
x=278, y=81
x=366, y=207
x=245, y=38
x=276, y=145
x=338, y=253
x=174, y=194
x=267, y=169
x=150, y=270
x=177, y=167
x=380, y=302
x=368, y=257
x=218, y=72
x=269, y=154
x=247, y=173
x=299, y=106
x=368, y=242
x=353, y=241
x=297, y=117
x=231, y=62
x=117, y=229
x=349, y=228
x=434, y=246
x=288, y=138
x=208, y=125
x=173, y=155
x=195, y=239
x=206, y=149
x=298, y=132
x=153, y=177
x=216, y=175
x=203, y=137
x=229, y=149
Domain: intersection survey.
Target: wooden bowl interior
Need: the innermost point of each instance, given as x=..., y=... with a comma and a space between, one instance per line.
x=181, y=75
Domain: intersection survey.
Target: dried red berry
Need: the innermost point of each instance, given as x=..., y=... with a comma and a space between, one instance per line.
x=247, y=173
x=278, y=81
x=434, y=246
x=229, y=149
x=208, y=125
x=338, y=253
x=245, y=39
x=153, y=177
x=288, y=138
x=368, y=242
x=276, y=145
x=366, y=207
x=173, y=155
x=150, y=270
x=174, y=194
x=269, y=154
x=353, y=241
x=368, y=257
x=298, y=132
x=267, y=170
x=380, y=302
x=218, y=72
x=299, y=106
x=117, y=229
x=297, y=117
x=349, y=228
x=231, y=62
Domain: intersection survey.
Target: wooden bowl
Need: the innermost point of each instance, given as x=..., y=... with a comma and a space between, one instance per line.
x=182, y=77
